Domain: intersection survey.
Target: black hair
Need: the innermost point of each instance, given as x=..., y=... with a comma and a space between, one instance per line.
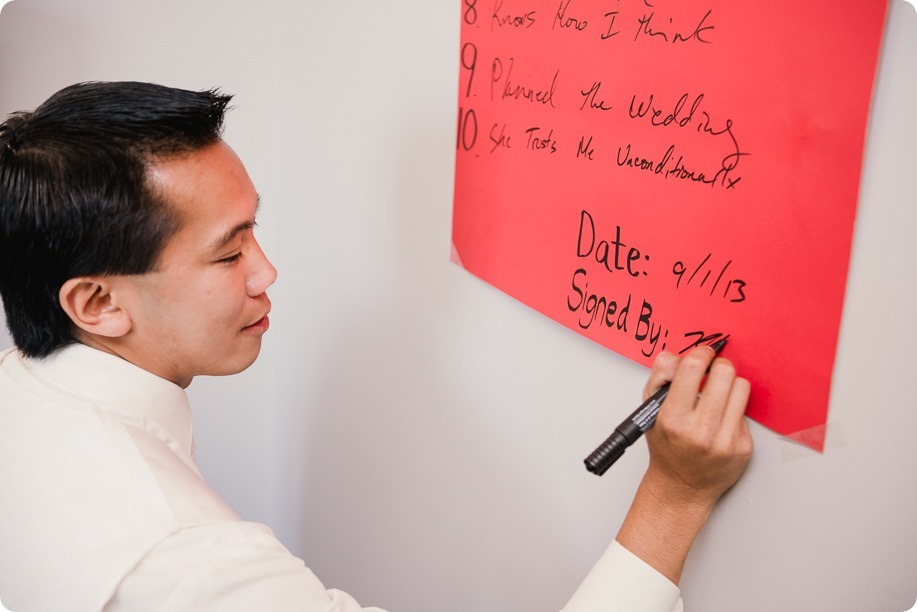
x=74, y=195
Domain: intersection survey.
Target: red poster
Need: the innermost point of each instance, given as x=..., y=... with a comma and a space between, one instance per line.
x=654, y=175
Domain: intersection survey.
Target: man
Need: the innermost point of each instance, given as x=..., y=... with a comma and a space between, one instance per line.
x=128, y=266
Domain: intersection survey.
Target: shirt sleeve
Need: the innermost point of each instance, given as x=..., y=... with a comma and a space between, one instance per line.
x=622, y=582
x=226, y=566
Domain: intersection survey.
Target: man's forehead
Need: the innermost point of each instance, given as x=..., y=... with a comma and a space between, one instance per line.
x=212, y=170
x=210, y=192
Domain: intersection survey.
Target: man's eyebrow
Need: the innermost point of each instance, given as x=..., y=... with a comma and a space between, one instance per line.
x=226, y=238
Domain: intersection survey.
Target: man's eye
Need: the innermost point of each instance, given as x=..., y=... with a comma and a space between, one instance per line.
x=231, y=258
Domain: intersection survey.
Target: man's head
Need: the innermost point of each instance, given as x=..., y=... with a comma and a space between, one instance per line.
x=117, y=201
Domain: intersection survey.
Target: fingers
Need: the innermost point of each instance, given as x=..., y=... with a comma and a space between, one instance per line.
x=720, y=409
x=734, y=428
x=688, y=379
x=701, y=442
x=718, y=391
x=724, y=394
x=738, y=400
x=664, y=368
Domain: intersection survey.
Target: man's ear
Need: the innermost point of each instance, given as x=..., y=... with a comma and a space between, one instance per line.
x=91, y=305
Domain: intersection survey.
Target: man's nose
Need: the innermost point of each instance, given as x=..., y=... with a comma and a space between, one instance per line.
x=262, y=275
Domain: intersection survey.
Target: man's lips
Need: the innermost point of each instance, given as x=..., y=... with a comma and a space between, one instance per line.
x=259, y=326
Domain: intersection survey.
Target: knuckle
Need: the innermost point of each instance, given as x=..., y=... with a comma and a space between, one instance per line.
x=665, y=362
x=663, y=420
x=735, y=450
x=745, y=448
x=664, y=367
x=724, y=368
x=695, y=361
x=668, y=425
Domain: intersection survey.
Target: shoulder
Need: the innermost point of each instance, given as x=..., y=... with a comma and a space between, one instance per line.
x=84, y=493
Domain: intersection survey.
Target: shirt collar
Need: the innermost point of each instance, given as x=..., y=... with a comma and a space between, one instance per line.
x=122, y=389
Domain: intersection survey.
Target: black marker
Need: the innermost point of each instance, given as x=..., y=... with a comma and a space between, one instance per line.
x=631, y=429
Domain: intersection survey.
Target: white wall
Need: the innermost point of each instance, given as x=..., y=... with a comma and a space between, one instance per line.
x=417, y=436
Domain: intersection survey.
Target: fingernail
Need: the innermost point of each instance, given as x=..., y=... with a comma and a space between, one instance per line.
x=718, y=345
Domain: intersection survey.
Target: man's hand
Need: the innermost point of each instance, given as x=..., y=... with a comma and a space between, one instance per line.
x=698, y=448
x=700, y=444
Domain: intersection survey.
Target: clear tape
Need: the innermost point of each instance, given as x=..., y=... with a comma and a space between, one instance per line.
x=813, y=442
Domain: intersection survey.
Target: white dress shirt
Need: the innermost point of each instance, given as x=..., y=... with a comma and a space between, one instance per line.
x=103, y=508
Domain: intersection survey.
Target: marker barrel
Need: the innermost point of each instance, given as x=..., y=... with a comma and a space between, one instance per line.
x=611, y=449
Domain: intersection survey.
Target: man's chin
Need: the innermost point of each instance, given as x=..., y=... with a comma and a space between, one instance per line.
x=236, y=366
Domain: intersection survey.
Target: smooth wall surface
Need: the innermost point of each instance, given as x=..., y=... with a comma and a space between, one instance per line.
x=415, y=435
